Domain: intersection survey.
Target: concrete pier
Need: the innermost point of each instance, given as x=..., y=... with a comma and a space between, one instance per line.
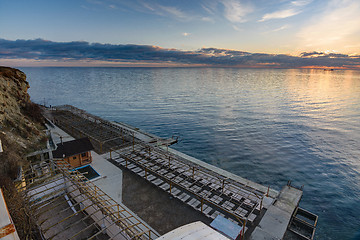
x=274, y=223
x=264, y=213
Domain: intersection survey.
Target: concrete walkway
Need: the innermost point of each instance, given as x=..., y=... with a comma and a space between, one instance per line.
x=110, y=180
x=274, y=223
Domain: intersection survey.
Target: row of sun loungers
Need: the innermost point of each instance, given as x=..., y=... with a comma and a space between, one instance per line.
x=199, y=189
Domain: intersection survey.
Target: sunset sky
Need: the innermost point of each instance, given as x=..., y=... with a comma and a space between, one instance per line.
x=269, y=33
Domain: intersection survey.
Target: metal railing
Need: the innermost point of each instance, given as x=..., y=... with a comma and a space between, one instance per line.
x=46, y=185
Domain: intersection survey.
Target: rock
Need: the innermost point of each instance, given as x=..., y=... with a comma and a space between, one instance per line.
x=20, y=120
x=13, y=93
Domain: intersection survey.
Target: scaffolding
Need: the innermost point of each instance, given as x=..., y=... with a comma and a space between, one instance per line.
x=206, y=190
x=203, y=189
x=103, y=135
x=67, y=206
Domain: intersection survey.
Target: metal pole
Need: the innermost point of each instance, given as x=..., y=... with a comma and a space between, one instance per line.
x=202, y=202
x=243, y=230
x=223, y=185
x=133, y=142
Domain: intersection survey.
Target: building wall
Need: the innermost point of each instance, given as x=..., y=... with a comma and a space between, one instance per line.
x=79, y=159
x=7, y=227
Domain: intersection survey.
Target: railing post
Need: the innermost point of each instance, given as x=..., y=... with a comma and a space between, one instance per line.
x=223, y=185
x=133, y=142
x=202, y=203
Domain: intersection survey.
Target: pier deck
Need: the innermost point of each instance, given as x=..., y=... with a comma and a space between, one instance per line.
x=204, y=190
x=208, y=190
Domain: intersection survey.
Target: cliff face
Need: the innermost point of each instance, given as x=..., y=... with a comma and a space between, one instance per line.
x=13, y=93
x=21, y=132
x=20, y=121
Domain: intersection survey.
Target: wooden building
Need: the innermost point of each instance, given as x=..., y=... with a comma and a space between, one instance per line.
x=76, y=152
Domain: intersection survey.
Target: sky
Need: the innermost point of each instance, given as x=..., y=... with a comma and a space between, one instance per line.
x=235, y=33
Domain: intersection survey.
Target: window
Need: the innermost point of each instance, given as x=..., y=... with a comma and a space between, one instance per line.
x=83, y=154
x=74, y=157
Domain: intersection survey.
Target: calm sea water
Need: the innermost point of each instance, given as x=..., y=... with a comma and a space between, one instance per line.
x=269, y=126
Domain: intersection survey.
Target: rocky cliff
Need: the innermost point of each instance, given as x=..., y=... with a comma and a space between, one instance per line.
x=13, y=93
x=20, y=120
x=21, y=132
x=16, y=109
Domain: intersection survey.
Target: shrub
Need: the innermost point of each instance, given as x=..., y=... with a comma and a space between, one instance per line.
x=34, y=112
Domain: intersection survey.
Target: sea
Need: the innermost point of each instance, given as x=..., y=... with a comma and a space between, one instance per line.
x=266, y=125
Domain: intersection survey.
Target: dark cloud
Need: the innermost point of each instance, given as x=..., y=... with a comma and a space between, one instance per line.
x=40, y=49
x=311, y=54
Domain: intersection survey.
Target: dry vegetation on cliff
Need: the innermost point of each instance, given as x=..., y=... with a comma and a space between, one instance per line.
x=21, y=132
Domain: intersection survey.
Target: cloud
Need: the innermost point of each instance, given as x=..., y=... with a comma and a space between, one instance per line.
x=286, y=26
x=174, y=12
x=235, y=11
x=236, y=28
x=279, y=14
x=337, y=27
x=209, y=7
x=162, y=10
x=300, y=3
x=185, y=34
x=94, y=2
x=66, y=52
x=207, y=19
x=323, y=54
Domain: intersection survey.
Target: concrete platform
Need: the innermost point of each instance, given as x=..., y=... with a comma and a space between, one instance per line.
x=57, y=134
x=274, y=223
x=110, y=180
